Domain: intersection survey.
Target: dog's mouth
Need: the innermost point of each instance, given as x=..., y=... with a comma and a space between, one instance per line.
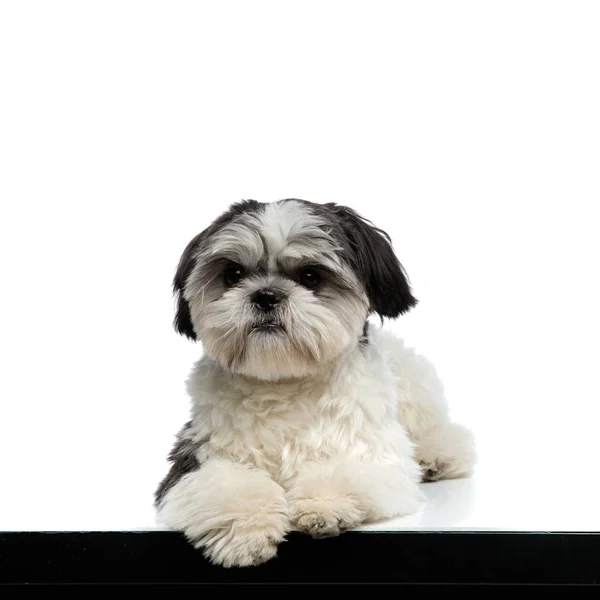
x=268, y=327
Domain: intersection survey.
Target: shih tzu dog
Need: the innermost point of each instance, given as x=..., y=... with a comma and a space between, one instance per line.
x=305, y=416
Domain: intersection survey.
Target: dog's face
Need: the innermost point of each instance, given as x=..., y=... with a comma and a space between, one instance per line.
x=276, y=291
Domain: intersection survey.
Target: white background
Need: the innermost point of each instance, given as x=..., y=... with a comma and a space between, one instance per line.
x=470, y=131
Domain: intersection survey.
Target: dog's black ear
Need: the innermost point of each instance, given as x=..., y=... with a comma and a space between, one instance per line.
x=372, y=257
x=183, y=320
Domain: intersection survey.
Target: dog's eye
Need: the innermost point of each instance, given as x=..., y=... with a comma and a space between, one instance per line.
x=232, y=275
x=309, y=278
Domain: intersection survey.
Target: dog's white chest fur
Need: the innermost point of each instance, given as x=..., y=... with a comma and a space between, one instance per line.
x=349, y=411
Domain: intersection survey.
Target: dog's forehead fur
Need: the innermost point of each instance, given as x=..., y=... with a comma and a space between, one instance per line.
x=292, y=230
x=273, y=234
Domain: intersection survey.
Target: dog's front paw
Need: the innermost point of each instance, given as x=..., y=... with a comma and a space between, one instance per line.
x=236, y=514
x=242, y=542
x=326, y=518
x=240, y=546
x=319, y=525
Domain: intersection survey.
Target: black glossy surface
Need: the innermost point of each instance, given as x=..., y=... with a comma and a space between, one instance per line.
x=399, y=557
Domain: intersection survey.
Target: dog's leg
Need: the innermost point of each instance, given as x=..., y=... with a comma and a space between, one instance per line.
x=327, y=498
x=235, y=513
x=442, y=448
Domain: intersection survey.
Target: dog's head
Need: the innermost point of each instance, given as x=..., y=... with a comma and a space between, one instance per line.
x=277, y=290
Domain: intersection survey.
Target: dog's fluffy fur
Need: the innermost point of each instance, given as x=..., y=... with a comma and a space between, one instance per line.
x=305, y=415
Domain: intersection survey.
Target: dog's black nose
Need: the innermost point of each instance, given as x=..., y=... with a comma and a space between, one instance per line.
x=265, y=299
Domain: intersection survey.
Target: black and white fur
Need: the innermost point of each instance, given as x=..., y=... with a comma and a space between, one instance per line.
x=305, y=416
